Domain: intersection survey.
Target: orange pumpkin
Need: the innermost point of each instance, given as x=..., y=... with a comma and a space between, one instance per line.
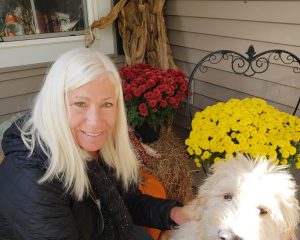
x=151, y=186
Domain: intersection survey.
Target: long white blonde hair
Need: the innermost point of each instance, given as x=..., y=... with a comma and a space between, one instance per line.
x=48, y=125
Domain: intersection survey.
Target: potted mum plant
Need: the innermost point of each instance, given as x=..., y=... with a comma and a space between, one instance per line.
x=151, y=97
x=249, y=126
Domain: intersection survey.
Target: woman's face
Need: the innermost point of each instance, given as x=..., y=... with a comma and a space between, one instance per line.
x=92, y=113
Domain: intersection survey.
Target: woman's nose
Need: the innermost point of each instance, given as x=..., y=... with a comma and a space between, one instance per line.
x=93, y=116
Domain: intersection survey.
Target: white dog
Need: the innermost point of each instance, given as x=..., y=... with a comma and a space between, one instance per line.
x=243, y=200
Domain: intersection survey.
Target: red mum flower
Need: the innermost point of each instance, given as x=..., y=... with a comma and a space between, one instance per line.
x=175, y=105
x=163, y=103
x=148, y=95
x=172, y=100
x=170, y=90
x=184, y=87
x=128, y=97
x=151, y=82
x=142, y=89
x=152, y=103
x=144, y=113
x=143, y=109
x=137, y=92
x=156, y=91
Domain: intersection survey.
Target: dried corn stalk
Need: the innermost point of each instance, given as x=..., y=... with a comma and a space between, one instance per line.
x=142, y=27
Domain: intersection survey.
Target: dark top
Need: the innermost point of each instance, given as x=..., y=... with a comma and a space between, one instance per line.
x=29, y=210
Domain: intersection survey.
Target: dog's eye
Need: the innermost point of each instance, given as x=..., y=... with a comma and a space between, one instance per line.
x=262, y=210
x=228, y=196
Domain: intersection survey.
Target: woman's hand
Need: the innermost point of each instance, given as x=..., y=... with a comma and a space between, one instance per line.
x=177, y=215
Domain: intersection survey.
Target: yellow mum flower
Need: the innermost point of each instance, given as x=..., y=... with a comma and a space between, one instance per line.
x=206, y=155
x=292, y=150
x=190, y=151
x=217, y=159
x=249, y=126
x=198, y=165
x=272, y=154
x=276, y=161
x=187, y=142
x=284, y=162
x=198, y=151
x=285, y=154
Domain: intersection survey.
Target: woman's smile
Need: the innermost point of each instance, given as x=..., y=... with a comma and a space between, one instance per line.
x=92, y=134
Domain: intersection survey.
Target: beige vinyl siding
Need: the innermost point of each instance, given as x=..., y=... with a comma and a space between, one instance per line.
x=196, y=28
x=19, y=85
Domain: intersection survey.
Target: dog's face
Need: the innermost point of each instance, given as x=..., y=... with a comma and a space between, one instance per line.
x=243, y=200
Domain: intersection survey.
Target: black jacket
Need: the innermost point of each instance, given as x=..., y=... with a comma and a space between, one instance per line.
x=29, y=210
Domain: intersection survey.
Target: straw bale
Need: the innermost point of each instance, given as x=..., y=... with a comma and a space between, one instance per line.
x=167, y=160
x=173, y=167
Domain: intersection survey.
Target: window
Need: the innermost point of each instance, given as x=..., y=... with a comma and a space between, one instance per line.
x=31, y=19
x=37, y=31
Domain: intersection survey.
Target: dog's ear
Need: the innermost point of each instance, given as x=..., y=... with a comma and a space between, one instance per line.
x=193, y=210
x=290, y=213
x=287, y=214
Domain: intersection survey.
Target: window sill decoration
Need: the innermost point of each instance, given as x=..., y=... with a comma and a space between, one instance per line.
x=248, y=126
x=152, y=94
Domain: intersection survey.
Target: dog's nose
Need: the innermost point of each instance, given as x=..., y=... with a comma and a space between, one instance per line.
x=227, y=235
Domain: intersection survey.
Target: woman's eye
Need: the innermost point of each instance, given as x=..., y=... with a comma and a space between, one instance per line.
x=107, y=104
x=80, y=104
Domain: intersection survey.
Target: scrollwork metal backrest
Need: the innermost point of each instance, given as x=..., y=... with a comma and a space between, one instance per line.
x=245, y=65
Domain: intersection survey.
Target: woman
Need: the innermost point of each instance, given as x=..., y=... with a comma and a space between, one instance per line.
x=69, y=171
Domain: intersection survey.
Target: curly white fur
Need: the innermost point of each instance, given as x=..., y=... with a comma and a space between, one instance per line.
x=243, y=199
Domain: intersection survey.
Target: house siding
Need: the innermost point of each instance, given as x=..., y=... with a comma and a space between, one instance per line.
x=196, y=28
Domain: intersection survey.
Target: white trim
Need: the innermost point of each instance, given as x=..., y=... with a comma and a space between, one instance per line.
x=42, y=41
x=17, y=53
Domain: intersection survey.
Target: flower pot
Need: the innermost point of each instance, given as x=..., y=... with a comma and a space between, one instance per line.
x=147, y=133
